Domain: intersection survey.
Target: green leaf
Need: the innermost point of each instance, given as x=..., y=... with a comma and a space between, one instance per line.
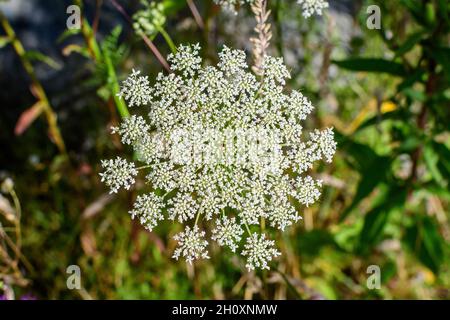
x=173, y=6
x=311, y=242
x=410, y=42
x=68, y=33
x=430, y=14
x=375, y=221
x=4, y=40
x=431, y=161
x=442, y=56
x=437, y=190
x=414, y=94
x=416, y=10
x=424, y=240
x=38, y=56
x=410, y=80
x=372, y=65
x=373, y=170
x=443, y=9
x=444, y=158
x=398, y=114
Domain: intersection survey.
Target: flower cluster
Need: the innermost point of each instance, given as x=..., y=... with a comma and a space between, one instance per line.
x=231, y=4
x=259, y=251
x=311, y=7
x=150, y=19
x=235, y=195
x=118, y=173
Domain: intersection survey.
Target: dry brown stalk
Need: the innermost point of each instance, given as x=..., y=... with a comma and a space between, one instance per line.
x=262, y=42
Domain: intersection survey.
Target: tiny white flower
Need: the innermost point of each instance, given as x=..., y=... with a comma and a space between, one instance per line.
x=325, y=142
x=282, y=215
x=227, y=232
x=136, y=89
x=147, y=208
x=231, y=4
x=132, y=129
x=191, y=244
x=232, y=62
x=184, y=207
x=118, y=173
x=311, y=7
x=186, y=60
x=259, y=251
x=308, y=190
x=275, y=70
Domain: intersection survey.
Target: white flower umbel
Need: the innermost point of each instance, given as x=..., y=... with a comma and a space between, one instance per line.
x=147, y=209
x=227, y=232
x=136, y=89
x=191, y=244
x=259, y=252
x=186, y=60
x=118, y=173
x=311, y=7
x=132, y=130
x=231, y=4
x=308, y=190
x=183, y=207
x=225, y=146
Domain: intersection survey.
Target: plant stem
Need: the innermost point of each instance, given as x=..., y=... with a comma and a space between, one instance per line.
x=279, y=27
x=196, y=218
x=101, y=57
x=17, y=220
x=147, y=41
x=196, y=14
x=247, y=228
x=38, y=89
x=169, y=41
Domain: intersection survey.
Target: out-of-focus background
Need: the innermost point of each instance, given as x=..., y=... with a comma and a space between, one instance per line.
x=386, y=197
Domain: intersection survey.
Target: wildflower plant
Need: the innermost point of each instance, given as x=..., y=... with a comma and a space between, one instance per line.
x=223, y=147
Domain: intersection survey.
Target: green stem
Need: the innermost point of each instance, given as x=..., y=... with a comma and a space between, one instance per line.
x=289, y=284
x=114, y=87
x=278, y=14
x=101, y=57
x=168, y=39
x=39, y=91
x=247, y=228
x=196, y=218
